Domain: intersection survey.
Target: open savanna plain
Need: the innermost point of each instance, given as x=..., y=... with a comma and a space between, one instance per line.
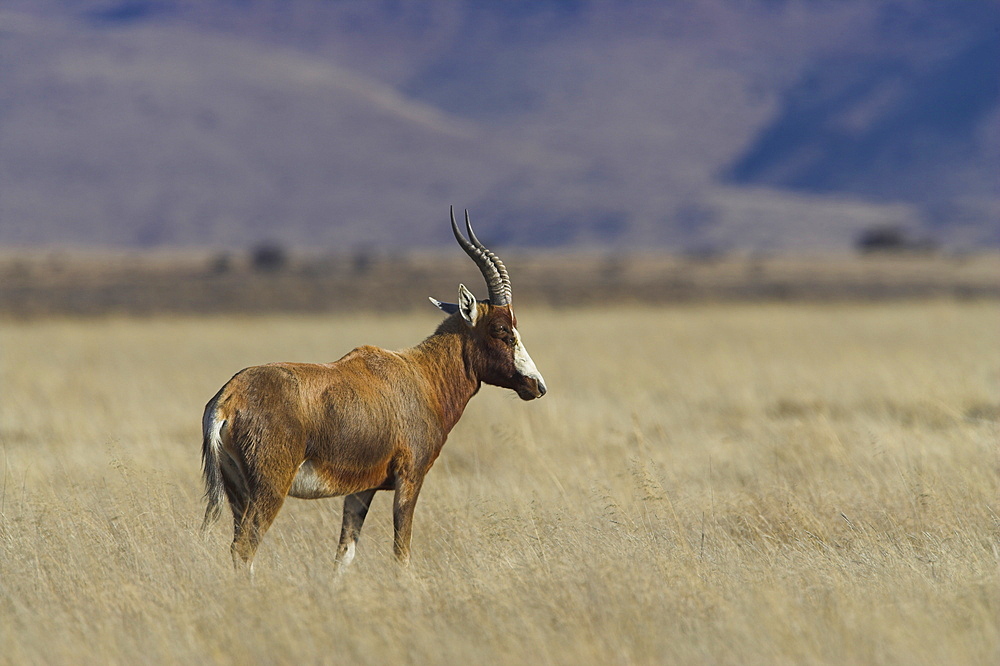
x=704, y=483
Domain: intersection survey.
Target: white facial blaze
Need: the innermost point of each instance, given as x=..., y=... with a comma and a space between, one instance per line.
x=523, y=363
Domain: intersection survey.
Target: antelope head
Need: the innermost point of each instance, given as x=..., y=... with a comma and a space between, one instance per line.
x=499, y=356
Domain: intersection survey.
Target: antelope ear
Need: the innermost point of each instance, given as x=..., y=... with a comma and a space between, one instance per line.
x=467, y=305
x=450, y=308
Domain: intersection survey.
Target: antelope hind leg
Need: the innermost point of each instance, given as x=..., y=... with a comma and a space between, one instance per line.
x=262, y=505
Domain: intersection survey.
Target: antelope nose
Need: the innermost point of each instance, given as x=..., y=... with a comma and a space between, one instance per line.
x=541, y=387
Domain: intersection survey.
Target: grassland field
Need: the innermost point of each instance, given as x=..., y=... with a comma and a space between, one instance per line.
x=46, y=284
x=703, y=484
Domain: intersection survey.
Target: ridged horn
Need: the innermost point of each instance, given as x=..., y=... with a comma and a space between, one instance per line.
x=501, y=269
x=489, y=264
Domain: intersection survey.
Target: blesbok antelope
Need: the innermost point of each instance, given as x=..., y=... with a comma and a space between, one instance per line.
x=373, y=420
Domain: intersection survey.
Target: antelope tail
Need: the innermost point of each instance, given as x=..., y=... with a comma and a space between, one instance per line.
x=211, y=449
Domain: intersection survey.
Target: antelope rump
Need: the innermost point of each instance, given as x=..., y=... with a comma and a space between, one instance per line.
x=373, y=420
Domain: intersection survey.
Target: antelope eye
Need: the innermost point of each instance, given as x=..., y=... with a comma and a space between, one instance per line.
x=503, y=333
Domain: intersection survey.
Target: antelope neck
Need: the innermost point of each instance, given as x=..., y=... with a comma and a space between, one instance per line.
x=444, y=359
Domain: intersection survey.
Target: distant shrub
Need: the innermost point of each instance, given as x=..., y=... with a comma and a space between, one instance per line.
x=362, y=262
x=890, y=238
x=220, y=263
x=705, y=253
x=269, y=258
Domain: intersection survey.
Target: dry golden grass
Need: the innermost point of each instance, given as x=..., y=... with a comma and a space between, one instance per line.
x=706, y=484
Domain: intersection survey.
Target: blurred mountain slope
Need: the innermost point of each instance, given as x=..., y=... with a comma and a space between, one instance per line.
x=880, y=129
x=767, y=125
x=160, y=135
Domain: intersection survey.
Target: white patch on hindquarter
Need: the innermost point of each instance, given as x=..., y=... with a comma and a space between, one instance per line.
x=308, y=484
x=523, y=363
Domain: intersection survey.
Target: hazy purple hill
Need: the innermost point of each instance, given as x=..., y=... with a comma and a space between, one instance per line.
x=716, y=124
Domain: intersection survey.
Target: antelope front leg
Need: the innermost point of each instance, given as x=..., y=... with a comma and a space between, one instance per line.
x=403, y=503
x=355, y=510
